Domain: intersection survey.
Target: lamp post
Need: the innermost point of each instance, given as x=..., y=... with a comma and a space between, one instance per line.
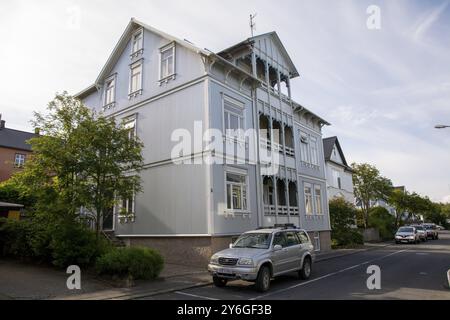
x=441, y=126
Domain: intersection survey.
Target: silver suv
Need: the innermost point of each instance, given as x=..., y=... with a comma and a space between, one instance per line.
x=262, y=254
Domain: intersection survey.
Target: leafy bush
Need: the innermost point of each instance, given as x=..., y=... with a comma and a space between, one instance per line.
x=382, y=220
x=133, y=262
x=73, y=243
x=342, y=216
x=63, y=243
x=350, y=237
x=15, y=238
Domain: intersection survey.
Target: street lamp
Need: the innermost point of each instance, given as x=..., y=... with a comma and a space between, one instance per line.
x=441, y=126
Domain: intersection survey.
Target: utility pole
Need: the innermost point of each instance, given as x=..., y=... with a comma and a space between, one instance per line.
x=252, y=23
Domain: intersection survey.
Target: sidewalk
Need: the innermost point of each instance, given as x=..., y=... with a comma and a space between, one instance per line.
x=173, y=278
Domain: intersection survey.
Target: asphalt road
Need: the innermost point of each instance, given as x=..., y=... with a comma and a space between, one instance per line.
x=407, y=272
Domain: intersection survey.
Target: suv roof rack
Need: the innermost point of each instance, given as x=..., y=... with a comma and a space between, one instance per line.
x=280, y=226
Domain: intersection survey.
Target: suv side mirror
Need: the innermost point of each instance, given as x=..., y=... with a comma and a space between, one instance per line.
x=231, y=246
x=277, y=247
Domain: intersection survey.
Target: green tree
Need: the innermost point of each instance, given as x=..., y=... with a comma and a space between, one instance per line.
x=369, y=186
x=342, y=218
x=400, y=200
x=81, y=159
x=382, y=220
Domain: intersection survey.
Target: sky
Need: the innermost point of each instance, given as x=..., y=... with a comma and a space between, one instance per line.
x=383, y=90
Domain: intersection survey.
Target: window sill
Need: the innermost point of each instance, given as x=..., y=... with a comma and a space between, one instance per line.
x=135, y=94
x=109, y=106
x=137, y=53
x=167, y=79
x=235, y=213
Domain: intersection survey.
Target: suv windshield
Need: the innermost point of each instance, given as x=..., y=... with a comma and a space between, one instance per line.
x=419, y=227
x=405, y=229
x=253, y=240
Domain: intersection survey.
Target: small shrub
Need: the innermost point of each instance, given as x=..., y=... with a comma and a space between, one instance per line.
x=134, y=262
x=348, y=237
x=73, y=243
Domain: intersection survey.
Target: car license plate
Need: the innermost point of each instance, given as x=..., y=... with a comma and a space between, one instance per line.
x=404, y=240
x=226, y=271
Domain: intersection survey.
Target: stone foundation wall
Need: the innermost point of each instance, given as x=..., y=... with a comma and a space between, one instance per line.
x=195, y=251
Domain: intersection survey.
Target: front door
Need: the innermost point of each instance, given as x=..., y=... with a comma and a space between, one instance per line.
x=108, y=220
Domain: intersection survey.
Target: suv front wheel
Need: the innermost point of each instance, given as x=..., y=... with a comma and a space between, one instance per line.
x=305, y=271
x=263, y=280
x=219, y=282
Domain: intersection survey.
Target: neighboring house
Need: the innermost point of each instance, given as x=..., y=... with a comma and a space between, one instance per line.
x=10, y=210
x=338, y=172
x=14, y=150
x=156, y=84
x=387, y=206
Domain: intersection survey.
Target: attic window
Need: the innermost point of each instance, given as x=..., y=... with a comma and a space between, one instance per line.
x=137, y=40
x=110, y=92
x=167, y=63
x=135, y=79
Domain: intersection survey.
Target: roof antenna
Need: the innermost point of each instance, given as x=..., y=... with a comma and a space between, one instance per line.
x=252, y=23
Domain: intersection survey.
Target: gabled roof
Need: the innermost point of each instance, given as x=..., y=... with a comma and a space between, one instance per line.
x=328, y=145
x=122, y=43
x=15, y=139
x=277, y=41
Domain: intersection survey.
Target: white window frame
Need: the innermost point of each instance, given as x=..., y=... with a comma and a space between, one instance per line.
x=318, y=200
x=233, y=104
x=130, y=123
x=304, y=147
x=19, y=160
x=167, y=77
x=316, y=241
x=138, y=91
x=110, y=104
x=310, y=196
x=131, y=216
x=245, y=185
x=336, y=178
x=136, y=53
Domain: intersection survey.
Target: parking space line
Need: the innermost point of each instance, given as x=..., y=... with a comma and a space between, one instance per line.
x=326, y=276
x=194, y=295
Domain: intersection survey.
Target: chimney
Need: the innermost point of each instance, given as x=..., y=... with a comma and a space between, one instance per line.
x=2, y=122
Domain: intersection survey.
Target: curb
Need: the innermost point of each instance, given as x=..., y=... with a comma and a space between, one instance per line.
x=155, y=293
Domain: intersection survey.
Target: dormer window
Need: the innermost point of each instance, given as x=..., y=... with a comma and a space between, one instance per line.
x=110, y=92
x=167, y=62
x=137, y=43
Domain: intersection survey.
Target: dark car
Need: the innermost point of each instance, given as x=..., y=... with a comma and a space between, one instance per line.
x=432, y=231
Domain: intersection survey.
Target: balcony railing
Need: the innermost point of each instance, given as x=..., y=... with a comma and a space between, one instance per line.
x=293, y=211
x=290, y=151
x=269, y=210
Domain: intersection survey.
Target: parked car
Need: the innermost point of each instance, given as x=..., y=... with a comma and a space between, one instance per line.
x=260, y=255
x=422, y=232
x=432, y=230
x=440, y=227
x=407, y=234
